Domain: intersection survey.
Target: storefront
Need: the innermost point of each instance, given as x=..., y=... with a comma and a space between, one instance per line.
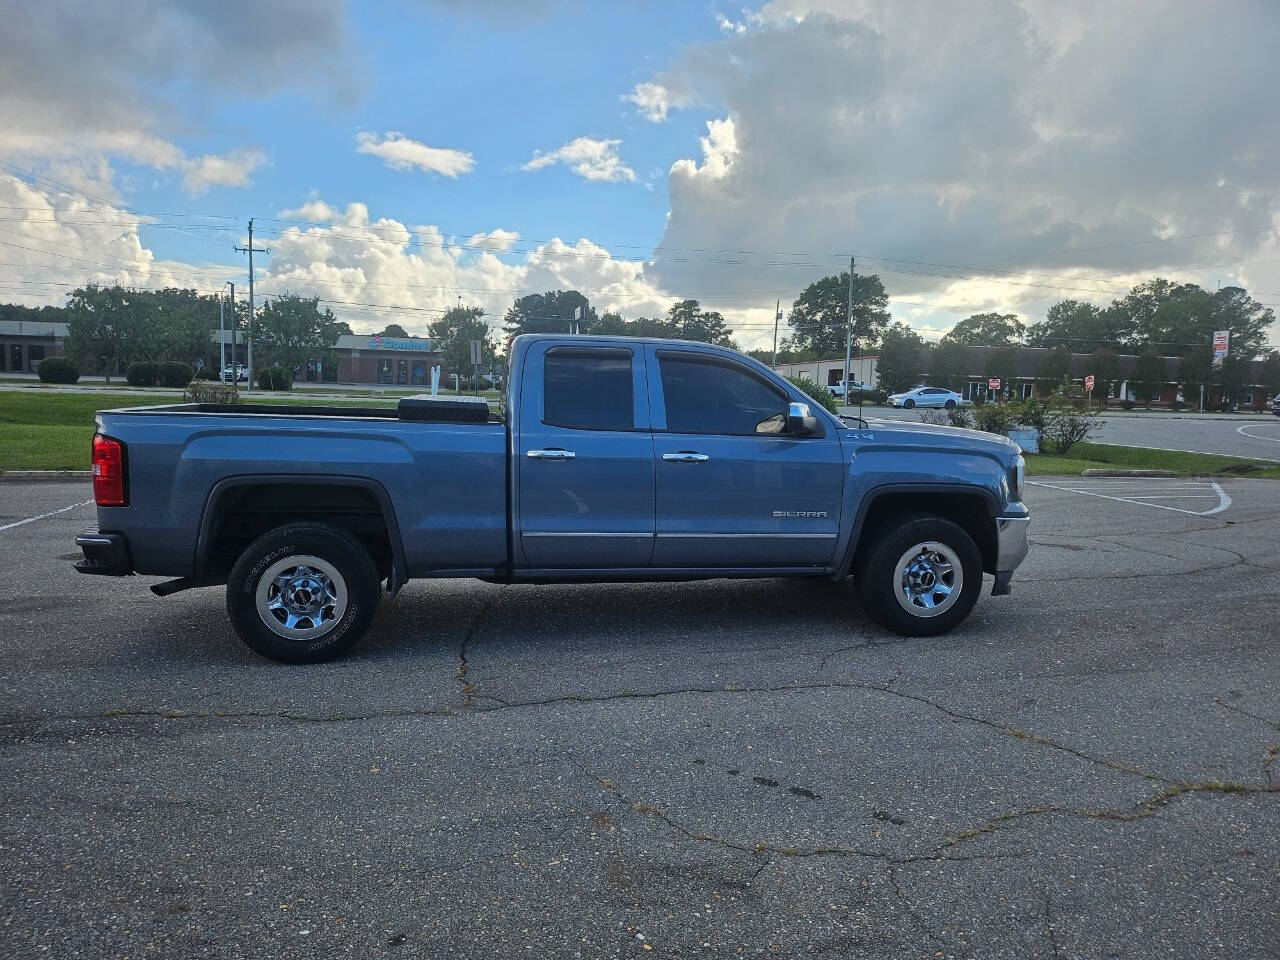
x=24, y=343
x=395, y=361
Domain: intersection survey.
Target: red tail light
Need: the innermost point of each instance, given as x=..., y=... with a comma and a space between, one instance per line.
x=108, y=472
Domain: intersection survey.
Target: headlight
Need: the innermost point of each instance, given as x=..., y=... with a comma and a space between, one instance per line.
x=1016, y=475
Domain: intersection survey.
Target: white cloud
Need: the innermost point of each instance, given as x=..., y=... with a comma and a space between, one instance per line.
x=655, y=100
x=730, y=26
x=588, y=157
x=421, y=272
x=994, y=131
x=400, y=153
x=314, y=209
x=225, y=170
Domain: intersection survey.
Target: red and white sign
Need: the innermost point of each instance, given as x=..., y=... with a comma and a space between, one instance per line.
x=1221, y=342
x=1088, y=382
x=994, y=383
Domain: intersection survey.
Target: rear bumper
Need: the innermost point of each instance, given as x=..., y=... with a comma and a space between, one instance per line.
x=106, y=554
x=1011, y=545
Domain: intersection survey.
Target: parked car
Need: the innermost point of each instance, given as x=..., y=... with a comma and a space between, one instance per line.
x=837, y=389
x=618, y=459
x=1275, y=404
x=234, y=373
x=926, y=397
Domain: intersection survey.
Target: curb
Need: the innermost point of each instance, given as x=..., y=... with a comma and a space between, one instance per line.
x=46, y=476
x=1097, y=472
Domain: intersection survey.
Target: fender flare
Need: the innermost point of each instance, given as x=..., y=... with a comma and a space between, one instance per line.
x=875, y=493
x=399, y=569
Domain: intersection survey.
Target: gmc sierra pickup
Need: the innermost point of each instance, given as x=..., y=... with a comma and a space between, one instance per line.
x=613, y=459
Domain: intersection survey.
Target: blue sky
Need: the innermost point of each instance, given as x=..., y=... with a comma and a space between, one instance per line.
x=996, y=155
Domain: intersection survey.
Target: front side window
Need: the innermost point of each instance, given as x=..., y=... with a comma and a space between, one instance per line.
x=709, y=397
x=587, y=389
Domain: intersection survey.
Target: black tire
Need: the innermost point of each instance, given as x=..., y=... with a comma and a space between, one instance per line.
x=877, y=567
x=950, y=404
x=908, y=404
x=356, y=584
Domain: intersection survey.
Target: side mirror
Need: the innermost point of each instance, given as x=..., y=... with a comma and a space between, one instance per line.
x=800, y=420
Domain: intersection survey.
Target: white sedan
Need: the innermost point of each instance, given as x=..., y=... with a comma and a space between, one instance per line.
x=926, y=397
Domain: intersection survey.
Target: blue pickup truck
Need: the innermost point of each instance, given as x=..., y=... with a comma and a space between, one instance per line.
x=612, y=459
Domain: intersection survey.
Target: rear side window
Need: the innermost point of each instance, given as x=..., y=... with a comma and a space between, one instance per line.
x=709, y=397
x=588, y=389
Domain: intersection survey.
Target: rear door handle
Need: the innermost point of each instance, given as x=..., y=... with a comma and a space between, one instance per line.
x=552, y=454
x=685, y=456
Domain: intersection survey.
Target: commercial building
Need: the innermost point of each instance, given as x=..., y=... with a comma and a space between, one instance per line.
x=397, y=361
x=24, y=343
x=1027, y=382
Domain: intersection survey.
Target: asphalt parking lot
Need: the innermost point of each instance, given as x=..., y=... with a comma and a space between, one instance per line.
x=1237, y=436
x=728, y=768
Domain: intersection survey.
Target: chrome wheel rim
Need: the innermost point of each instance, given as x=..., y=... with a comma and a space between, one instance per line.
x=928, y=579
x=301, y=597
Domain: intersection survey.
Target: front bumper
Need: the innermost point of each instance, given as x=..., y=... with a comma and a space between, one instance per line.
x=1011, y=545
x=106, y=554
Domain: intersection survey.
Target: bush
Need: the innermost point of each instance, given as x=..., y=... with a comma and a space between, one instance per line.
x=819, y=393
x=936, y=418
x=1034, y=413
x=1068, y=425
x=1126, y=404
x=275, y=378
x=142, y=373
x=174, y=373
x=996, y=417
x=210, y=391
x=58, y=370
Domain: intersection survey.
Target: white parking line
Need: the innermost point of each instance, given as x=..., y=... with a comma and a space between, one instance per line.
x=1143, y=501
x=1244, y=432
x=51, y=513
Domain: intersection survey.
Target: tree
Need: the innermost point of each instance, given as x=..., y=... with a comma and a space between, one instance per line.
x=344, y=328
x=1269, y=376
x=452, y=335
x=820, y=317
x=110, y=327
x=1231, y=377
x=688, y=321
x=1195, y=370
x=1106, y=372
x=898, y=366
x=1078, y=326
x=394, y=330
x=185, y=319
x=987, y=330
x=292, y=330
x=1148, y=376
x=550, y=312
x=1003, y=363
x=949, y=366
x=1055, y=367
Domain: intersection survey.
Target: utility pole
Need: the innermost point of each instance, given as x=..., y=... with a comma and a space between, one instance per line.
x=251, y=250
x=777, y=315
x=848, y=339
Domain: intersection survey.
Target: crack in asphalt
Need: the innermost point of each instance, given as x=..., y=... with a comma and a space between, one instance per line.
x=1245, y=713
x=469, y=687
x=1048, y=925
x=469, y=708
x=1139, y=811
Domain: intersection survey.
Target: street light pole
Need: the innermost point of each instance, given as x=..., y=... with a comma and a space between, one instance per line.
x=848, y=340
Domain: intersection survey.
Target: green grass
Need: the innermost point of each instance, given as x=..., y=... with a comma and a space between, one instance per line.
x=52, y=431
x=1097, y=456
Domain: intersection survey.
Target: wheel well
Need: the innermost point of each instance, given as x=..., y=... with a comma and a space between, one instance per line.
x=969, y=510
x=244, y=513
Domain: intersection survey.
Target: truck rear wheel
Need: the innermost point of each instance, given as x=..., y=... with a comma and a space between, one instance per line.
x=920, y=576
x=303, y=593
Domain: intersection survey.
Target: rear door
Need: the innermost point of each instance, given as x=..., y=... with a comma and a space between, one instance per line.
x=731, y=490
x=586, y=472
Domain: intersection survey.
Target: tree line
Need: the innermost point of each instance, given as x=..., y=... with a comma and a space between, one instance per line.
x=112, y=326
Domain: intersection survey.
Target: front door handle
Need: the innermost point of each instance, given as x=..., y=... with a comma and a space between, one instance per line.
x=686, y=456
x=553, y=454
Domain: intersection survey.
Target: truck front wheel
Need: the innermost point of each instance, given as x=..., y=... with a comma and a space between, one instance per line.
x=303, y=593
x=920, y=576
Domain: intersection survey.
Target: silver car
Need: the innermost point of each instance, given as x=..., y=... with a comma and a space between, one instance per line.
x=926, y=397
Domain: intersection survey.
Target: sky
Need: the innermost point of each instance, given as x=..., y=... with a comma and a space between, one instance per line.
x=401, y=157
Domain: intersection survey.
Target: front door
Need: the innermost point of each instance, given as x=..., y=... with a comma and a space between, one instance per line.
x=586, y=469
x=732, y=490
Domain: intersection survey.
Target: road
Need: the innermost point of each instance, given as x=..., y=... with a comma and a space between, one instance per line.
x=727, y=768
x=1237, y=437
